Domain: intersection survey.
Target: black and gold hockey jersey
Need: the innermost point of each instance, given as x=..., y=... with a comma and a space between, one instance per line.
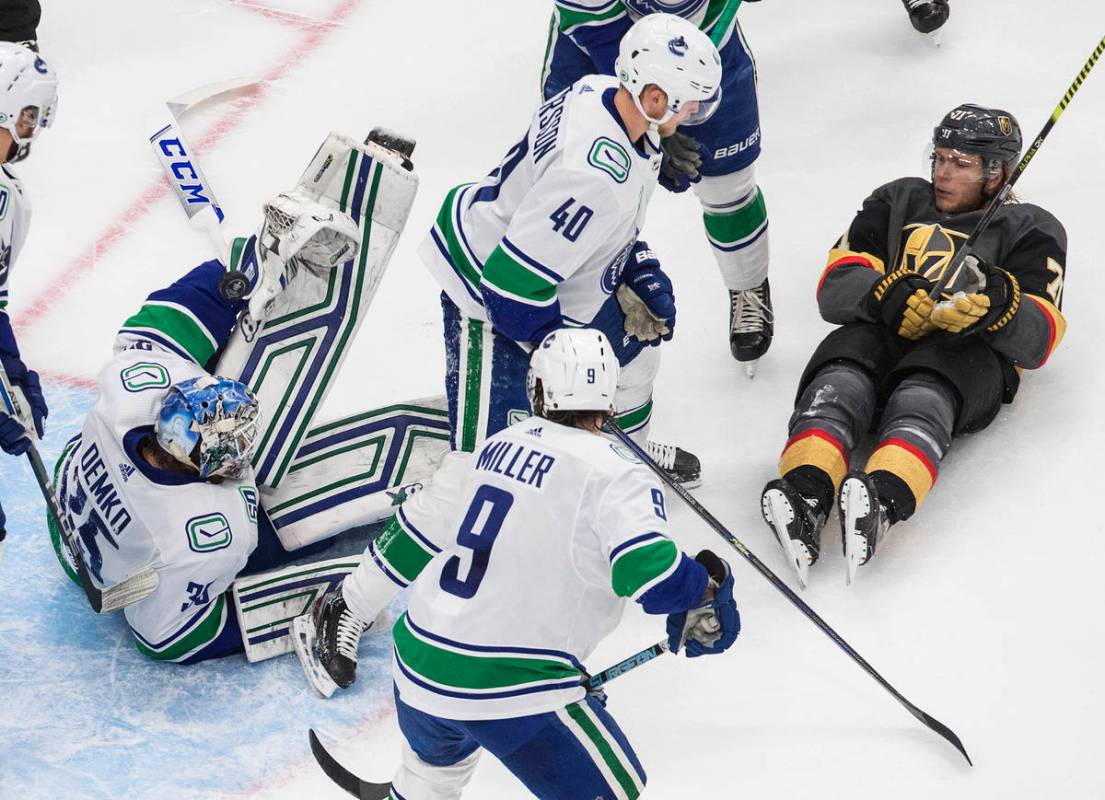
x=900, y=226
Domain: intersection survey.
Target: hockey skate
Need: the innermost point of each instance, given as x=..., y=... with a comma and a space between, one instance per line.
x=863, y=520
x=326, y=640
x=928, y=16
x=751, y=324
x=683, y=467
x=796, y=521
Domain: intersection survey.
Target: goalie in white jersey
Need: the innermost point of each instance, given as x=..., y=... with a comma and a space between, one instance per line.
x=549, y=238
x=28, y=97
x=522, y=557
x=159, y=476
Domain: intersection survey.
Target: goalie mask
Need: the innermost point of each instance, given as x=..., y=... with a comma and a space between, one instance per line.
x=577, y=369
x=28, y=96
x=220, y=416
x=673, y=54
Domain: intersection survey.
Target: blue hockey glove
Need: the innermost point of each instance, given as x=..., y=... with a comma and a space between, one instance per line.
x=27, y=380
x=649, y=306
x=13, y=438
x=679, y=167
x=712, y=627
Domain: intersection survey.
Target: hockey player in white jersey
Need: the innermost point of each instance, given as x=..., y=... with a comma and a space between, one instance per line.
x=28, y=97
x=521, y=558
x=549, y=238
x=159, y=476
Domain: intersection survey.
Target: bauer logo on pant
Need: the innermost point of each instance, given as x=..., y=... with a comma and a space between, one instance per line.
x=208, y=532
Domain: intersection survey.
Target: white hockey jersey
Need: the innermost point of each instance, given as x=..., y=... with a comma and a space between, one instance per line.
x=539, y=540
x=15, y=220
x=128, y=514
x=554, y=222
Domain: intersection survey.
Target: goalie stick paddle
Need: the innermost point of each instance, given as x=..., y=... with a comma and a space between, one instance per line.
x=343, y=777
x=928, y=721
x=1007, y=187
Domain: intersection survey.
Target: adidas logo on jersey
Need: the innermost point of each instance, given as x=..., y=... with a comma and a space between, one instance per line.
x=126, y=470
x=534, y=431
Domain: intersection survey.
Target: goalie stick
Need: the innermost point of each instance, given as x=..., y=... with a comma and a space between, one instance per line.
x=928, y=721
x=366, y=790
x=1007, y=187
x=134, y=588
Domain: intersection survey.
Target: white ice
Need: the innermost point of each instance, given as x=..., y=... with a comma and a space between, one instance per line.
x=985, y=610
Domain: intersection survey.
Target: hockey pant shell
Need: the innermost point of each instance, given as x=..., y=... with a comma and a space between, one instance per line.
x=981, y=377
x=485, y=376
x=568, y=754
x=838, y=406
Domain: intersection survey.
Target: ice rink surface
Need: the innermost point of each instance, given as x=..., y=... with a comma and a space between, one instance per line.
x=984, y=610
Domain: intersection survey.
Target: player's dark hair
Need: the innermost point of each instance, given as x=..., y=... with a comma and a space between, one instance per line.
x=573, y=419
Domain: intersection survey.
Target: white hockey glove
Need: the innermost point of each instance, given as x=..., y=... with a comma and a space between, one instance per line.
x=298, y=232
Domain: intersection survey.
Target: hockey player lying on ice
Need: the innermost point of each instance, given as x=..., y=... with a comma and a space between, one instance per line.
x=161, y=477
x=917, y=369
x=521, y=558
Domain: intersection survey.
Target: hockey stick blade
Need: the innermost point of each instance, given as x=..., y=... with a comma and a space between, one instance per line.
x=930, y=722
x=343, y=777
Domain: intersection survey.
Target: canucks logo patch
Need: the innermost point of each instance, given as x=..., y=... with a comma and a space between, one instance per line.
x=208, y=532
x=929, y=250
x=516, y=415
x=610, y=157
x=144, y=375
x=625, y=452
x=678, y=46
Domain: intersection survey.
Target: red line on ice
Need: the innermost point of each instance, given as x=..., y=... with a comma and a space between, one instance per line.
x=304, y=23
x=139, y=208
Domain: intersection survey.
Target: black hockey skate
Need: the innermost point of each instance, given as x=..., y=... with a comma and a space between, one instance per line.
x=864, y=520
x=796, y=521
x=751, y=324
x=684, y=467
x=326, y=641
x=927, y=16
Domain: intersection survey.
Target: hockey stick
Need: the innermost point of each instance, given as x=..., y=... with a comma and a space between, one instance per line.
x=131, y=590
x=343, y=777
x=1007, y=187
x=366, y=790
x=930, y=722
x=639, y=659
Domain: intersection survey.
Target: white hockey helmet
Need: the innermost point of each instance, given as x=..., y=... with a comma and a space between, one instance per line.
x=672, y=53
x=28, y=94
x=577, y=369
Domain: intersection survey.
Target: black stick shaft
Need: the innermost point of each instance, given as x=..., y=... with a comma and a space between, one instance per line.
x=638, y=659
x=736, y=544
x=1007, y=187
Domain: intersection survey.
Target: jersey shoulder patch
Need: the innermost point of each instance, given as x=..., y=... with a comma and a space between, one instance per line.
x=611, y=158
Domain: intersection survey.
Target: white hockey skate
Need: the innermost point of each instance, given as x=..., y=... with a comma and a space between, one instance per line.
x=863, y=520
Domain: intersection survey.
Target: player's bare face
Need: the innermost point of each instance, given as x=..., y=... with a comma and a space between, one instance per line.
x=957, y=180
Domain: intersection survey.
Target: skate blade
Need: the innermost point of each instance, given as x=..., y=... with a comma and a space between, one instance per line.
x=775, y=509
x=855, y=544
x=935, y=38
x=750, y=368
x=303, y=636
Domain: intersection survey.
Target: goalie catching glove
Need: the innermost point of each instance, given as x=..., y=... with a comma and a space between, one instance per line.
x=646, y=297
x=990, y=301
x=297, y=231
x=712, y=627
x=901, y=302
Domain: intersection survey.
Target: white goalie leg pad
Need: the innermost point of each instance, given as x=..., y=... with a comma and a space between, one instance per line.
x=736, y=226
x=633, y=398
x=357, y=470
x=266, y=603
x=292, y=361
